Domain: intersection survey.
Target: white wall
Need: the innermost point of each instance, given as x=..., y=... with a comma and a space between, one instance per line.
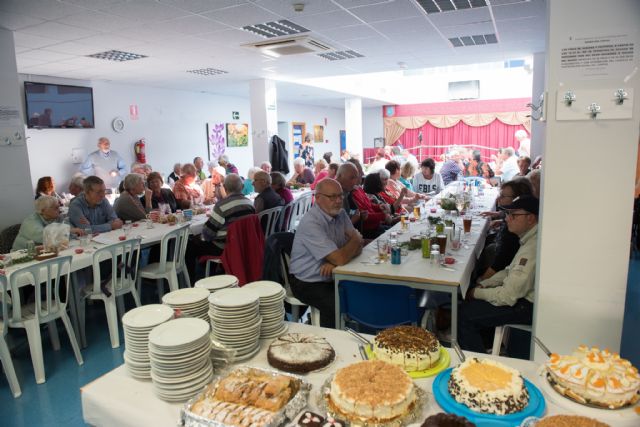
x=586, y=213
x=172, y=122
x=372, y=125
x=16, y=194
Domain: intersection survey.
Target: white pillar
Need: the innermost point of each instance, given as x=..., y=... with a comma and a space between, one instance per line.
x=264, y=117
x=353, y=125
x=16, y=190
x=537, y=88
x=587, y=182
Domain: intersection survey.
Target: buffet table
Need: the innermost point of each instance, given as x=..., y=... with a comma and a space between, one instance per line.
x=117, y=399
x=417, y=272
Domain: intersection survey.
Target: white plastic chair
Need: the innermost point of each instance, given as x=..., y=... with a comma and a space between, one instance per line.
x=292, y=300
x=272, y=221
x=502, y=334
x=172, y=251
x=5, y=355
x=299, y=207
x=48, y=306
x=124, y=258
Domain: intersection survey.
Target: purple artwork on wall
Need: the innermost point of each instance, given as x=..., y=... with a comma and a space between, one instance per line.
x=216, y=140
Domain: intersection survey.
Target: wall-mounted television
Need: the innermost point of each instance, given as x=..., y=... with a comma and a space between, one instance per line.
x=58, y=106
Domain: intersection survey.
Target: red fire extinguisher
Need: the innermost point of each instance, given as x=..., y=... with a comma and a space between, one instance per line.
x=139, y=150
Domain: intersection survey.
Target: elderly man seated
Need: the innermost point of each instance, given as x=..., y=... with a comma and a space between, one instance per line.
x=129, y=206
x=267, y=197
x=47, y=211
x=325, y=238
x=507, y=296
x=302, y=175
x=214, y=231
x=90, y=209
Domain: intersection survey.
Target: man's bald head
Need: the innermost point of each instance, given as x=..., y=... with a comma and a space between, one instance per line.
x=329, y=196
x=347, y=176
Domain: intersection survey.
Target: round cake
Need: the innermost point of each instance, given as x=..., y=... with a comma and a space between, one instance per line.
x=410, y=347
x=488, y=386
x=300, y=353
x=371, y=391
x=447, y=420
x=595, y=376
x=569, y=421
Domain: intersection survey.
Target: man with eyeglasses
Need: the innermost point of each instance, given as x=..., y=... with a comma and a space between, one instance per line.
x=91, y=208
x=507, y=296
x=324, y=239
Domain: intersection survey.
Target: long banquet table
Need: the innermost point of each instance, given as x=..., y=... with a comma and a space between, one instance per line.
x=117, y=399
x=417, y=272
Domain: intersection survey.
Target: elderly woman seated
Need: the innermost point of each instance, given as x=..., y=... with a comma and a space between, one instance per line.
x=393, y=187
x=46, y=187
x=279, y=185
x=128, y=206
x=212, y=187
x=186, y=190
x=302, y=175
x=407, y=171
x=320, y=171
x=374, y=185
x=47, y=211
x=160, y=196
x=248, y=181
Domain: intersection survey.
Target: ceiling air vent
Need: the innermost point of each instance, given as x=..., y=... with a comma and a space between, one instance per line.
x=117, y=55
x=207, y=71
x=291, y=46
x=473, y=40
x=340, y=55
x=271, y=29
x=437, y=6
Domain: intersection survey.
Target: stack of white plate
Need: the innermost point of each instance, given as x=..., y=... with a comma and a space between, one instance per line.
x=215, y=283
x=192, y=302
x=180, y=364
x=235, y=320
x=271, y=307
x=137, y=324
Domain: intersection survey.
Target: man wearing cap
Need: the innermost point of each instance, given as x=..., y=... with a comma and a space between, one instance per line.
x=507, y=296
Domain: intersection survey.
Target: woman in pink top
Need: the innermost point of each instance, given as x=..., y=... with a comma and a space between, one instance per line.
x=321, y=171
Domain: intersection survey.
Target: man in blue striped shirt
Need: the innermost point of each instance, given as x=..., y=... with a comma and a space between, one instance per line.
x=90, y=209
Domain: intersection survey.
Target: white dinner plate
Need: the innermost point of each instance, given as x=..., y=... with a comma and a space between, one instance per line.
x=215, y=283
x=265, y=288
x=178, y=332
x=147, y=316
x=233, y=298
x=185, y=296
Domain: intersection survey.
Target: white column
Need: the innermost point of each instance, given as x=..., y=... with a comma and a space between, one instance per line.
x=537, y=88
x=353, y=125
x=587, y=184
x=264, y=117
x=16, y=190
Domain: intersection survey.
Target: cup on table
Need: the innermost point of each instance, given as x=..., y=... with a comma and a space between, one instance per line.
x=454, y=238
x=383, y=250
x=85, y=239
x=126, y=228
x=466, y=222
x=188, y=214
x=442, y=242
x=154, y=215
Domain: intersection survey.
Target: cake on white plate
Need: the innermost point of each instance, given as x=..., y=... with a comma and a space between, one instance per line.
x=410, y=347
x=372, y=391
x=595, y=376
x=488, y=386
x=300, y=353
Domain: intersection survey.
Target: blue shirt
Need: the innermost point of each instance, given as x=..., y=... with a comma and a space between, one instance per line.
x=317, y=235
x=99, y=216
x=102, y=164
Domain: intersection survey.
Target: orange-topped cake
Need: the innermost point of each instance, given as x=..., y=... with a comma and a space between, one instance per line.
x=488, y=386
x=372, y=390
x=410, y=347
x=569, y=421
x=595, y=376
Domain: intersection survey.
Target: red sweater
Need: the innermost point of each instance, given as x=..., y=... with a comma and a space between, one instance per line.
x=375, y=217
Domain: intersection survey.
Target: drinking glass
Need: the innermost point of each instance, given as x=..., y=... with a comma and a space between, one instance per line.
x=383, y=250
x=85, y=239
x=454, y=238
x=466, y=221
x=126, y=228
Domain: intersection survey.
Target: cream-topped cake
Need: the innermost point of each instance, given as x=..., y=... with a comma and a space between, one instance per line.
x=300, y=353
x=488, y=386
x=410, y=347
x=372, y=390
x=595, y=376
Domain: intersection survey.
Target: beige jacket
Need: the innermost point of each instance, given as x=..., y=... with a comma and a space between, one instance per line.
x=516, y=281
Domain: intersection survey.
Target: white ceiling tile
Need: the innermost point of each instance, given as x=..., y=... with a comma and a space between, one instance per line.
x=357, y=3
x=94, y=4
x=231, y=37
x=99, y=21
x=353, y=32
x=45, y=55
x=146, y=11
x=468, y=30
x=45, y=9
x=387, y=11
x=535, y=8
x=240, y=16
x=24, y=62
x=323, y=21
x=191, y=25
x=58, y=31
x=461, y=17
x=72, y=48
x=285, y=8
x=49, y=68
x=29, y=40
x=199, y=6
x=147, y=33
x=16, y=21
x=108, y=42
x=404, y=26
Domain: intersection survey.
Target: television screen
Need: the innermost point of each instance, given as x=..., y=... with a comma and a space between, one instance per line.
x=58, y=106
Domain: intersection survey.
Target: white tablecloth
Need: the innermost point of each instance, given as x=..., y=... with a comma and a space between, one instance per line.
x=117, y=399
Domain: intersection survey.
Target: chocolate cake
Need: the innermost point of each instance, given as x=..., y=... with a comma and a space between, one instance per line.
x=300, y=353
x=447, y=420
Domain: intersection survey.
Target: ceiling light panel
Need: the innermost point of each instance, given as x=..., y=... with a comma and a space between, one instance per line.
x=272, y=29
x=437, y=6
x=476, y=40
x=117, y=55
x=207, y=71
x=341, y=55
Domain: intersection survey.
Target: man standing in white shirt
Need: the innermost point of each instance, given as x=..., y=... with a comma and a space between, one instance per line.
x=105, y=163
x=509, y=165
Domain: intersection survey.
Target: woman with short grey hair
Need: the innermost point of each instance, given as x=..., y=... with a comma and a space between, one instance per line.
x=128, y=206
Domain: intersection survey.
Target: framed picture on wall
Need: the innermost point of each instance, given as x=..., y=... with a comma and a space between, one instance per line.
x=237, y=135
x=216, y=140
x=299, y=129
x=378, y=142
x=318, y=133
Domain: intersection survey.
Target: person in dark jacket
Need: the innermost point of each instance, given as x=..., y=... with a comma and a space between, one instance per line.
x=279, y=155
x=267, y=197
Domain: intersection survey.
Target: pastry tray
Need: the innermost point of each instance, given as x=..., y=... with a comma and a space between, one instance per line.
x=287, y=413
